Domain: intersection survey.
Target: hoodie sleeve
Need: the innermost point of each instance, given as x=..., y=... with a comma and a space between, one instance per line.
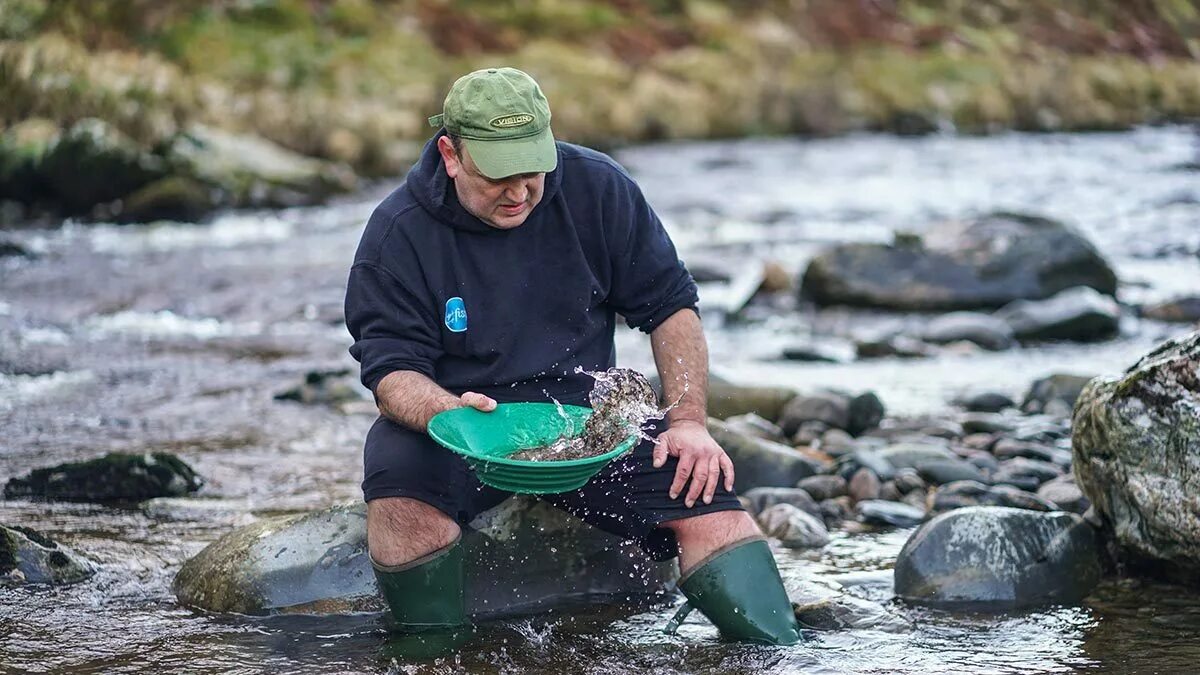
x=649, y=282
x=391, y=328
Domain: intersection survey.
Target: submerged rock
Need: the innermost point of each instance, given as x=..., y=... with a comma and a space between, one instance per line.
x=879, y=512
x=985, y=263
x=522, y=556
x=325, y=387
x=999, y=555
x=1179, y=310
x=27, y=556
x=1079, y=313
x=1136, y=446
x=114, y=477
x=792, y=527
x=759, y=462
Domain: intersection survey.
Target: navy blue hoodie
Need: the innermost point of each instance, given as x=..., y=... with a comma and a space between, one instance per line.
x=510, y=313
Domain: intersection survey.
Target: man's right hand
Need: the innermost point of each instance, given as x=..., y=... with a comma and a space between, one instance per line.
x=478, y=401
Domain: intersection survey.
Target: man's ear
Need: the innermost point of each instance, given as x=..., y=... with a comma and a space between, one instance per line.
x=449, y=157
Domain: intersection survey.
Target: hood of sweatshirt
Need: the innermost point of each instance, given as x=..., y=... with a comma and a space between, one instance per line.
x=434, y=191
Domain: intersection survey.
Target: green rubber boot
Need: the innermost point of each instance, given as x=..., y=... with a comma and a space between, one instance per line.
x=738, y=588
x=427, y=593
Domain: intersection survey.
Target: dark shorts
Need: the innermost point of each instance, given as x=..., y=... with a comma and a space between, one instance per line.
x=628, y=498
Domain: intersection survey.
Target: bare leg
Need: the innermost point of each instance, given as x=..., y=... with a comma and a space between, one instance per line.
x=400, y=530
x=700, y=536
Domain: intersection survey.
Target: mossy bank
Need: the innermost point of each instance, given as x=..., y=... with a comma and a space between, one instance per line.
x=329, y=90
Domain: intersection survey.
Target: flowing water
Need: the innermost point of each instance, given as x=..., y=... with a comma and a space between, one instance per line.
x=176, y=337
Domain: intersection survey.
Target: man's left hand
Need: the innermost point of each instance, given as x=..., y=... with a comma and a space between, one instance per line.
x=700, y=457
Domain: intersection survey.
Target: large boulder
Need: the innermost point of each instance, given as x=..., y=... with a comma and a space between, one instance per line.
x=27, y=556
x=792, y=527
x=522, y=556
x=728, y=400
x=984, y=263
x=115, y=477
x=993, y=554
x=1136, y=446
x=758, y=462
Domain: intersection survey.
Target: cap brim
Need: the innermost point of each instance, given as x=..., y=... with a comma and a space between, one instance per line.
x=501, y=159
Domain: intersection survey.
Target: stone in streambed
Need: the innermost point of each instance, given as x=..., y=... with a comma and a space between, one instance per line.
x=979, y=422
x=1136, y=445
x=792, y=527
x=1180, y=310
x=1081, y=314
x=114, y=477
x=759, y=462
x=984, y=330
x=326, y=387
x=29, y=557
x=763, y=498
x=899, y=346
x=728, y=400
x=755, y=425
x=940, y=471
x=866, y=412
x=988, y=401
x=864, y=485
x=1064, y=493
x=910, y=454
x=879, y=512
x=1060, y=388
x=523, y=556
x=1020, y=471
x=829, y=408
x=823, y=487
x=984, y=263
x=999, y=555
x=847, y=612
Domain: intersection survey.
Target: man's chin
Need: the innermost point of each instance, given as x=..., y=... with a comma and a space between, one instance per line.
x=502, y=222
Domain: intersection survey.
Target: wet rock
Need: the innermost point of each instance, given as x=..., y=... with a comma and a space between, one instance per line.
x=1007, y=448
x=810, y=433
x=984, y=330
x=1079, y=313
x=763, y=498
x=1013, y=471
x=866, y=411
x=1179, y=310
x=987, y=401
x=1007, y=495
x=1064, y=494
x=325, y=387
x=11, y=249
x=792, y=527
x=816, y=352
x=864, y=485
x=879, y=512
x=756, y=426
x=899, y=346
x=983, y=461
x=115, y=477
x=889, y=492
x=823, y=487
x=834, y=511
x=1063, y=388
x=984, y=263
x=847, y=612
x=911, y=454
x=940, y=471
x=990, y=423
x=870, y=459
x=829, y=408
x=729, y=400
x=1136, y=446
x=522, y=556
x=27, y=556
x=979, y=441
x=93, y=163
x=837, y=442
x=999, y=555
x=909, y=479
x=759, y=462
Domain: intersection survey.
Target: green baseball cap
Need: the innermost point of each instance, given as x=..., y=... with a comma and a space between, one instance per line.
x=504, y=121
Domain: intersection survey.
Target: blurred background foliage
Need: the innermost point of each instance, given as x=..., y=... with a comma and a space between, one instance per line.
x=354, y=80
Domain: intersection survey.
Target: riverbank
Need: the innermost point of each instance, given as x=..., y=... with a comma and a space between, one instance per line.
x=343, y=88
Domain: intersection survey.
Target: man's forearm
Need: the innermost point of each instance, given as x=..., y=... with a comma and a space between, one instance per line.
x=409, y=398
x=681, y=355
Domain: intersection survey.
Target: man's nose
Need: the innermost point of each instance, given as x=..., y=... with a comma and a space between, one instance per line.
x=517, y=193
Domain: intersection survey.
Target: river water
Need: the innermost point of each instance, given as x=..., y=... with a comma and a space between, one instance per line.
x=176, y=337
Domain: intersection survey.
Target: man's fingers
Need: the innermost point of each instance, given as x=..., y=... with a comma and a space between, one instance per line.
x=479, y=401
x=714, y=478
x=682, y=471
x=700, y=474
x=660, y=454
x=727, y=469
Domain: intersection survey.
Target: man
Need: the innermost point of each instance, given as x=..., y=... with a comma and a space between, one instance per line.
x=490, y=275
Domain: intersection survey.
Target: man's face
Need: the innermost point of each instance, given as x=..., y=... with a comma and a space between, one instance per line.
x=503, y=203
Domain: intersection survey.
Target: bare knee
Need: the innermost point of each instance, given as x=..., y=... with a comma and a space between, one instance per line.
x=701, y=536
x=400, y=530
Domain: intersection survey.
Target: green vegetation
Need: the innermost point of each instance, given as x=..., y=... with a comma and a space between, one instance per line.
x=352, y=81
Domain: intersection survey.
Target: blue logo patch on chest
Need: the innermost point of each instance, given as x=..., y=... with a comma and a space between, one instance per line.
x=456, y=315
